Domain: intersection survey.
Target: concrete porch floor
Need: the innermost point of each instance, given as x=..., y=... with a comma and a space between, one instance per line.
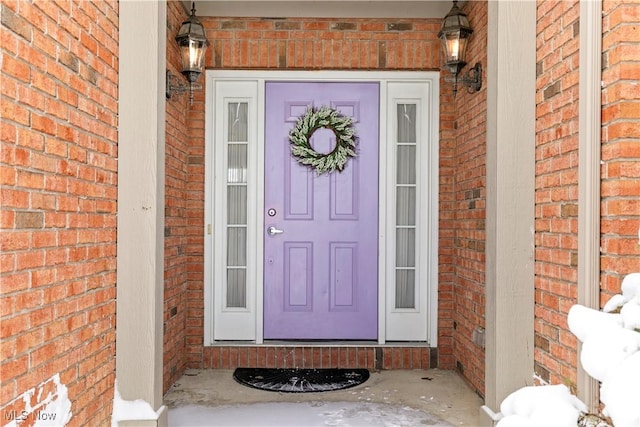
x=441, y=393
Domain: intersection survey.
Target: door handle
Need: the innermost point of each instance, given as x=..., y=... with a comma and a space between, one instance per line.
x=272, y=231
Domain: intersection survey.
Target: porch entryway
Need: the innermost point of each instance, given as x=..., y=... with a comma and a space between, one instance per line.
x=291, y=254
x=137, y=328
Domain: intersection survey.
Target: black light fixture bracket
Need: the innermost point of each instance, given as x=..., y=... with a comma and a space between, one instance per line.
x=472, y=79
x=175, y=85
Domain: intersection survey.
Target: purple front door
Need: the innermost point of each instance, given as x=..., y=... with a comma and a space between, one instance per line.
x=321, y=271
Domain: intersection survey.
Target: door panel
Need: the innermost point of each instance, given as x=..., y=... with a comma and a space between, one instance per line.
x=321, y=272
x=298, y=280
x=298, y=182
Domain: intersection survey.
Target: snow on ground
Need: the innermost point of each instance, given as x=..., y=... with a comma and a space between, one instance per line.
x=302, y=414
x=610, y=353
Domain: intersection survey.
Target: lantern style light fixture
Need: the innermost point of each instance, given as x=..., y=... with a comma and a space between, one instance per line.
x=454, y=35
x=192, y=41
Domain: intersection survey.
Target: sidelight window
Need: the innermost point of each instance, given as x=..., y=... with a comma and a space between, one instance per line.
x=236, y=226
x=406, y=187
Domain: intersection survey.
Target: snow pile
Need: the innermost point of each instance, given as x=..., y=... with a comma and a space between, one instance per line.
x=610, y=353
x=552, y=405
x=621, y=379
x=128, y=410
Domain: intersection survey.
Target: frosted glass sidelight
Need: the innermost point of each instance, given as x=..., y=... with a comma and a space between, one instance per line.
x=236, y=247
x=405, y=289
x=237, y=125
x=405, y=247
x=236, y=288
x=406, y=123
x=406, y=173
x=406, y=206
x=237, y=144
x=237, y=163
x=236, y=205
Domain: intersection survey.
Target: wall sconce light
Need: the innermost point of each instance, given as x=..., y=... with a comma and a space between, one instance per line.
x=192, y=41
x=454, y=34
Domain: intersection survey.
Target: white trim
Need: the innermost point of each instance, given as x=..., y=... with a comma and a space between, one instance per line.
x=433, y=184
x=383, y=173
x=320, y=75
x=231, y=322
x=419, y=323
x=259, y=224
x=589, y=146
x=208, y=216
x=383, y=77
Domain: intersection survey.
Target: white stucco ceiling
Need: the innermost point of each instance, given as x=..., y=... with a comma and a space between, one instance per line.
x=323, y=8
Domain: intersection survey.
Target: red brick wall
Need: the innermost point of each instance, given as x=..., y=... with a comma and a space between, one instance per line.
x=176, y=225
x=359, y=44
x=269, y=356
x=194, y=249
x=371, y=44
x=58, y=182
x=556, y=212
x=469, y=173
x=620, y=207
x=557, y=171
x=447, y=227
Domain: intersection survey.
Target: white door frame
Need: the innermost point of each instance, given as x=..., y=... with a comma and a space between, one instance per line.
x=394, y=87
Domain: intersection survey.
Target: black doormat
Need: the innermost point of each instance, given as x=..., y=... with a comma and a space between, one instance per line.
x=300, y=380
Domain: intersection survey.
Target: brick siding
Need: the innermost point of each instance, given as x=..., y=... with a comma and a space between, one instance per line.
x=620, y=207
x=468, y=213
x=557, y=172
x=556, y=211
x=176, y=226
x=58, y=164
x=369, y=44
x=370, y=357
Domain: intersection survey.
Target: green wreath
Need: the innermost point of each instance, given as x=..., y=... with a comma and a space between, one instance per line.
x=339, y=124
